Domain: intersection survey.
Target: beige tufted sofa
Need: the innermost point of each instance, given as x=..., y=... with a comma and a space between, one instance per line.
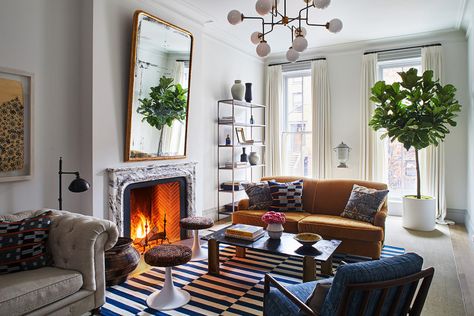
x=74, y=283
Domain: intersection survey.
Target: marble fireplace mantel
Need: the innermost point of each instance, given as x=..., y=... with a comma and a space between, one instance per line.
x=120, y=178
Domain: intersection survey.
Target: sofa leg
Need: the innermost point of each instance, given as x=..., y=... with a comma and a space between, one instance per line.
x=95, y=311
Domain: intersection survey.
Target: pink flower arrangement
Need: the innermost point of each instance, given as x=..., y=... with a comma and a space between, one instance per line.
x=274, y=218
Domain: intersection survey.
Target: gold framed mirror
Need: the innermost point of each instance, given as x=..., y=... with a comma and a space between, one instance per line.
x=159, y=89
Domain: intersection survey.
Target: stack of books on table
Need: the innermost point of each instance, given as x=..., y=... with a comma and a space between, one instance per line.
x=246, y=232
x=237, y=164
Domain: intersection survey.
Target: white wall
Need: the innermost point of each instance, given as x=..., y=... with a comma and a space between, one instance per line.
x=215, y=66
x=42, y=37
x=344, y=64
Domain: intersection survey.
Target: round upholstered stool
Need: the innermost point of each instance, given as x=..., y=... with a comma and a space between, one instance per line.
x=195, y=224
x=168, y=256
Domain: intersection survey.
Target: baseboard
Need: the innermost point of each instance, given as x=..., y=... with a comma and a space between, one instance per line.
x=456, y=215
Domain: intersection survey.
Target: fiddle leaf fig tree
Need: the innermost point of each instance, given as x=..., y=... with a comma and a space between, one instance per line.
x=417, y=112
x=166, y=103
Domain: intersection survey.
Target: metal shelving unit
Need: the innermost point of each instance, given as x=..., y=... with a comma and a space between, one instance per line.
x=251, y=108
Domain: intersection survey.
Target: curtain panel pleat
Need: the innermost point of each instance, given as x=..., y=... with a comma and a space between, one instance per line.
x=274, y=101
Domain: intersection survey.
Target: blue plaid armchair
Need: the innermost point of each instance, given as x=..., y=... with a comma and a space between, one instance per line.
x=381, y=287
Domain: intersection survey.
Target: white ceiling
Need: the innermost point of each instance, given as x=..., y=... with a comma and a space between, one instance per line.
x=363, y=20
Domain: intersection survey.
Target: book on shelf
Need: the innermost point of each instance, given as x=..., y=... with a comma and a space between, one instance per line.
x=227, y=119
x=236, y=185
x=236, y=164
x=231, y=207
x=243, y=230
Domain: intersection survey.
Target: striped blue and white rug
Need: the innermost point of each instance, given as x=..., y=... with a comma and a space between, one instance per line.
x=237, y=291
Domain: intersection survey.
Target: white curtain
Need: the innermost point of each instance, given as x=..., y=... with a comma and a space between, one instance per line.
x=433, y=158
x=321, y=120
x=274, y=101
x=368, y=138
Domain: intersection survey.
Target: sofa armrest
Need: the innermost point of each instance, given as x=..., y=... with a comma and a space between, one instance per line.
x=243, y=204
x=78, y=242
x=380, y=216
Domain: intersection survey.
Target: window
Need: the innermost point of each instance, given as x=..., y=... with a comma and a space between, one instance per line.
x=398, y=165
x=296, y=135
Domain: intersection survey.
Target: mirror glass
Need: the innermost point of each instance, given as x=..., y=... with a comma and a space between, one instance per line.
x=159, y=90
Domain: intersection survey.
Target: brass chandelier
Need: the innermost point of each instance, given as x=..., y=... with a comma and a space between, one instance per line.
x=279, y=16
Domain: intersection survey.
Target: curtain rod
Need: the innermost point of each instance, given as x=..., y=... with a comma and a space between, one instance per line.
x=395, y=49
x=299, y=61
x=182, y=60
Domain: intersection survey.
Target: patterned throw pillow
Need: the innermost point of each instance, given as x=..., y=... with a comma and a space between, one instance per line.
x=364, y=203
x=259, y=195
x=23, y=243
x=286, y=197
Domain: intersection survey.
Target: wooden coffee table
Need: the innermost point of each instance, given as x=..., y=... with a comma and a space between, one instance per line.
x=321, y=252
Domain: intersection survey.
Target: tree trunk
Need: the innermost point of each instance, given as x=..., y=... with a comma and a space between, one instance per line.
x=418, y=189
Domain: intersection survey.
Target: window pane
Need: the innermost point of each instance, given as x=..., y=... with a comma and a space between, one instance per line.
x=400, y=172
x=296, y=134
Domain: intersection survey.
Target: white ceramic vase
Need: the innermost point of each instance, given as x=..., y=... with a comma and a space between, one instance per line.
x=275, y=231
x=419, y=214
x=253, y=158
x=238, y=90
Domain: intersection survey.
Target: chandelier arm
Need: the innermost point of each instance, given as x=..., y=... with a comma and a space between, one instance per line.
x=311, y=24
x=300, y=17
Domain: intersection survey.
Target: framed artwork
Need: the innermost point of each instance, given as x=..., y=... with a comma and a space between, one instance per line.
x=240, y=135
x=16, y=119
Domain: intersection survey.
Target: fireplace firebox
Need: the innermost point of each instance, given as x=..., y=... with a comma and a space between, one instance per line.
x=152, y=211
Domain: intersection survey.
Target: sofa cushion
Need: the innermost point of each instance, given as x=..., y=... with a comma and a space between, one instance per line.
x=254, y=217
x=364, y=203
x=340, y=227
x=259, y=195
x=23, y=243
x=368, y=272
x=26, y=291
x=286, y=197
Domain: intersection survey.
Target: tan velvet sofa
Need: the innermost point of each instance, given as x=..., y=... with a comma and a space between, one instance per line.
x=75, y=282
x=323, y=202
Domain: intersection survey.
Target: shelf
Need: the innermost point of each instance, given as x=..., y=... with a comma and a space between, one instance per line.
x=243, y=168
x=241, y=124
x=257, y=144
x=242, y=104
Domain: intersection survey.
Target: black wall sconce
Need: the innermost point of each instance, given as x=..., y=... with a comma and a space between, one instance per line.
x=77, y=185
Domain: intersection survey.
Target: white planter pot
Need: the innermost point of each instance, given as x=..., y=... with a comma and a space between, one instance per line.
x=275, y=231
x=419, y=214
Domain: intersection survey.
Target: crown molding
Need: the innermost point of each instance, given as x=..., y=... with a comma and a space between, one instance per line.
x=461, y=14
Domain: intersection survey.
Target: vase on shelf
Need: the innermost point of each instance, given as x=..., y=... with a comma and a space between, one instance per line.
x=248, y=92
x=243, y=157
x=238, y=90
x=254, y=158
x=275, y=231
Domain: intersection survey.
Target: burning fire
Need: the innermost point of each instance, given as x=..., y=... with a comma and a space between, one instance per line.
x=140, y=230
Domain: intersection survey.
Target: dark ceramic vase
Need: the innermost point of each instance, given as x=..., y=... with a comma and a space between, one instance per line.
x=243, y=157
x=248, y=92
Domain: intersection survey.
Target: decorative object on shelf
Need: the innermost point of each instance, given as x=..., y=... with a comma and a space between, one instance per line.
x=243, y=157
x=307, y=239
x=252, y=121
x=16, y=88
x=77, y=185
x=238, y=90
x=120, y=261
x=274, y=221
x=416, y=122
x=236, y=164
x=241, y=136
x=342, y=151
x=233, y=186
x=227, y=140
x=159, y=89
x=254, y=158
x=279, y=17
x=248, y=92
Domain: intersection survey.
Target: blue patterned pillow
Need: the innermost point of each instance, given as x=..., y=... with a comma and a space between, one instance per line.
x=286, y=197
x=23, y=243
x=364, y=203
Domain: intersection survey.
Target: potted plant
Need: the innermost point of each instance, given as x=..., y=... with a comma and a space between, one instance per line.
x=417, y=113
x=166, y=103
x=274, y=221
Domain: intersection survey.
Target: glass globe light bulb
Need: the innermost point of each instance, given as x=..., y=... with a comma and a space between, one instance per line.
x=292, y=55
x=234, y=17
x=264, y=7
x=321, y=4
x=300, y=43
x=335, y=26
x=255, y=38
x=263, y=49
x=300, y=31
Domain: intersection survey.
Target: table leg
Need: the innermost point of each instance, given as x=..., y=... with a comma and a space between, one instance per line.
x=326, y=267
x=240, y=252
x=213, y=256
x=309, y=269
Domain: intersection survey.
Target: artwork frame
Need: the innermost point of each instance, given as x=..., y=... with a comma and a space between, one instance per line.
x=240, y=132
x=16, y=94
